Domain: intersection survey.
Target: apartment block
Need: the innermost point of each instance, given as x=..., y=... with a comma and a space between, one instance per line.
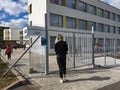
x=77, y=16
x=12, y=34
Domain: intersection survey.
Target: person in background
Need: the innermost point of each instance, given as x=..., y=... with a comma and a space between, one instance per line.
x=61, y=49
x=8, y=52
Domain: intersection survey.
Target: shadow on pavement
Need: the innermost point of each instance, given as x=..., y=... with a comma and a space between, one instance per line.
x=97, y=78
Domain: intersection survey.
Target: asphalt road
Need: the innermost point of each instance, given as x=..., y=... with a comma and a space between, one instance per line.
x=115, y=86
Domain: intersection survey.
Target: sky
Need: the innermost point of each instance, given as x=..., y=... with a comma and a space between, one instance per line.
x=14, y=13
x=115, y=3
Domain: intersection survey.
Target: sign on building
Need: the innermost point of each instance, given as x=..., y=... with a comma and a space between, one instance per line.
x=35, y=31
x=44, y=41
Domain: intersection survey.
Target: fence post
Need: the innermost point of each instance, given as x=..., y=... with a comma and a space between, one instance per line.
x=93, y=60
x=46, y=56
x=104, y=52
x=115, y=49
x=74, y=50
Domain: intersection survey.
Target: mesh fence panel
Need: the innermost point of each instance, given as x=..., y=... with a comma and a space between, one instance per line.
x=79, y=49
x=23, y=64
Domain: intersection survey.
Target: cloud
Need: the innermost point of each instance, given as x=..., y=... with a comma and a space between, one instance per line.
x=115, y=3
x=23, y=1
x=25, y=16
x=2, y=16
x=12, y=7
x=20, y=23
x=13, y=13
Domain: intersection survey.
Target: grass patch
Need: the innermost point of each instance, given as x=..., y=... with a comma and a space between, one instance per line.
x=9, y=79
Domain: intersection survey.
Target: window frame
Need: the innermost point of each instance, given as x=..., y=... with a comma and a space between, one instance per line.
x=100, y=27
x=73, y=26
x=107, y=14
x=69, y=5
x=82, y=24
x=83, y=7
x=113, y=16
x=91, y=9
x=100, y=12
x=59, y=20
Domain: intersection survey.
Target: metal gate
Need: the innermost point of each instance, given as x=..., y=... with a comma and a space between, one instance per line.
x=80, y=49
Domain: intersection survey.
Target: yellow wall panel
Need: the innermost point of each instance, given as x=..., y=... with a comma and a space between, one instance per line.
x=64, y=21
x=77, y=23
x=64, y=2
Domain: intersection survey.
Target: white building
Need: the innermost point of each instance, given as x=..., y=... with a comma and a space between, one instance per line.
x=25, y=36
x=12, y=34
x=77, y=16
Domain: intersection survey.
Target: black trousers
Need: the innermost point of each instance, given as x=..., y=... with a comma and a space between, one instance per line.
x=9, y=56
x=61, y=61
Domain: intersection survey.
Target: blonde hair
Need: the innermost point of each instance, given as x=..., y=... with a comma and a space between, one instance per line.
x=59, y=37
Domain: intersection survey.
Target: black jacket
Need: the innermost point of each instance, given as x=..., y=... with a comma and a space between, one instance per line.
x=61, y=47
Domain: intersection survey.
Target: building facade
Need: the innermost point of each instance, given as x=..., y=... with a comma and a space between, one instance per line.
x=12, y=34
x=2, y=27
x=77, y=16
x=25, y=36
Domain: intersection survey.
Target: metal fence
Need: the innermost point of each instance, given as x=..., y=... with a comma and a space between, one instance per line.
x=23, y=65
x=37, y=56
x=80, y=49
x=80, y=52
x=106, y=52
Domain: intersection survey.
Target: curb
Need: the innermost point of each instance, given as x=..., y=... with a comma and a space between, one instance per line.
x=16, y=84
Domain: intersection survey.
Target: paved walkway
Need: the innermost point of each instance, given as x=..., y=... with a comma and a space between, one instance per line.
x=80, y=79
x=83, y=78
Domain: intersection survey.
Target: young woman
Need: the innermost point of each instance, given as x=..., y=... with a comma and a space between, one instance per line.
x=61, y=49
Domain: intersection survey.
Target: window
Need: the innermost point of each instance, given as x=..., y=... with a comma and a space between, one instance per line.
x=70, y=22
x=113, y=16
x=107, y=14
x=30, y=24
x=99, y=27
x=91, y=9
x=113, y=29
x=52, y=42
x=21, y=32
x=100, y=12
x=59, y=2
x=107, y=28
x=82, y=24
x=118, y=30
x=92, y=24
x=25, y=31
x=82, y=6
x=70, y=3
x=118, y=42
x=118, y=18
x=55, y=20
x=30, y=9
